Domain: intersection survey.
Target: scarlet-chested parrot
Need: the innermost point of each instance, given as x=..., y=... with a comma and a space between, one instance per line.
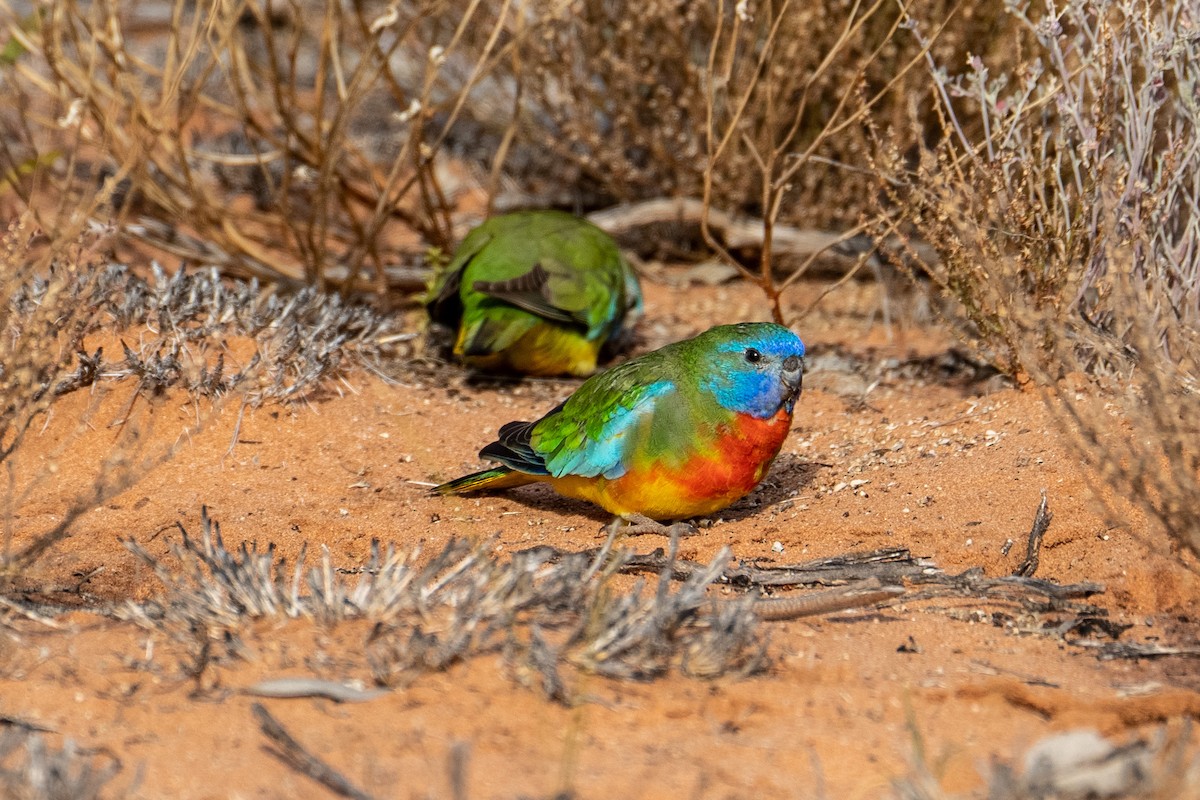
x=679, y=432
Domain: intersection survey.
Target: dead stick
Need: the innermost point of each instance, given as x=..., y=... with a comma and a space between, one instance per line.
x=294, y=754
x=865, y=593
x=1041, y=523
x=736, y=231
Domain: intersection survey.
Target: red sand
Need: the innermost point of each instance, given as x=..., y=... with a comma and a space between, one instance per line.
x=849, y=700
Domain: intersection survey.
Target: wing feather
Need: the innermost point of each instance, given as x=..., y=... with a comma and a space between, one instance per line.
x=530, y=291
x=597, y=431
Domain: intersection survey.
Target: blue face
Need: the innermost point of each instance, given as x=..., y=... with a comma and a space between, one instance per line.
x=753, y=368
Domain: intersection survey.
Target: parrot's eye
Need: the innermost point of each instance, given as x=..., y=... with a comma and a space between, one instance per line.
x=753, y=356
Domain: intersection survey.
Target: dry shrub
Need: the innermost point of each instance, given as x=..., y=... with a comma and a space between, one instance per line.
x=57, y=300
x=298, y=142
x=32, y=769
x=1058, y=177
x=49, y=303
x=1062, y=203
x=274, y=141
x=756, y=108
x=539, y=607
x=629, y=100
x=1141, y=433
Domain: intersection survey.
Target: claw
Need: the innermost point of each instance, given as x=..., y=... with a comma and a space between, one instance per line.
x=638, y=525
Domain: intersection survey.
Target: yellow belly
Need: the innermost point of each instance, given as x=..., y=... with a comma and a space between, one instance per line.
x=545, y=350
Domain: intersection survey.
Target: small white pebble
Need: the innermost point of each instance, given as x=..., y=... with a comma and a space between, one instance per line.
x=777, y=547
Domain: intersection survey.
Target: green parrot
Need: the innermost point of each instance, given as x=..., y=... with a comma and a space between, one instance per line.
x=682, y=431
x=538, y=293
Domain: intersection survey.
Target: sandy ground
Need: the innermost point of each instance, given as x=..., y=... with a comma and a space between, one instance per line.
x=951, y=468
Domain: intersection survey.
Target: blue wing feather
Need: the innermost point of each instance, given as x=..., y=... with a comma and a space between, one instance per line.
x=592, y=434
x=596, y=435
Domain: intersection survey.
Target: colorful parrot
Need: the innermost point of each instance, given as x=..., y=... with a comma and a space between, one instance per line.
x=680, y=432
x=537, y=292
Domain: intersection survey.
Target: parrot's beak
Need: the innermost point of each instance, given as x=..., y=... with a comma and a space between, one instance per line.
x=793, y=374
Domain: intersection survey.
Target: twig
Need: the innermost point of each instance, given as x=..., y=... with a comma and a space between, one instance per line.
x=313, y=687
x=237, y=429
x=1112, y=650
x=864, y=593
x=29, y=727
x=460, y=754
x=887, y=565
x=615, y=528
x=973, y=583
x=29, y=614
x=1041, y=523
x=297, y=757
x=1050, y=589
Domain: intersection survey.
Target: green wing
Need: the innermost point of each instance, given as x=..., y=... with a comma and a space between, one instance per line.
x=595, y=432
x=517, y=269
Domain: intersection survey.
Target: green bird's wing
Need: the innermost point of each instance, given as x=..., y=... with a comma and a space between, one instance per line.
x=557, y=267
x=547, y=263
x=636, y=410
x=444, y=300
x=540, y=293
x=595, y=432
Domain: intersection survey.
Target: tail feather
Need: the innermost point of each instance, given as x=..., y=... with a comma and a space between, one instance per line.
x=495, y=478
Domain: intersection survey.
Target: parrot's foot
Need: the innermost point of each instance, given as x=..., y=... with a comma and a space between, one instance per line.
x=637, y=525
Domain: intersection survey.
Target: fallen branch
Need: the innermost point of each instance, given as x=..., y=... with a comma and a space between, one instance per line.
x=737, y=232
x=888, y=566
x=1113, y=650
x=973, y=583
x=865, y=593
x=313, y=687
x=294, y=754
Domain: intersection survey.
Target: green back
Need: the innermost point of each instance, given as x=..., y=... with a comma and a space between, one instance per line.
x=517, y=270
x=617, y=417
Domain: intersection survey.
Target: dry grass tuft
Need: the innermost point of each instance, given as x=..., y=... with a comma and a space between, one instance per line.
x=58, y=300
x=31, y=769
x=300, y=339
x=431, y=612
x=50, y=300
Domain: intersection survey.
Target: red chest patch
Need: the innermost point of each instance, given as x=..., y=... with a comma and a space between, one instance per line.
x=739, y=459
x=717, y=474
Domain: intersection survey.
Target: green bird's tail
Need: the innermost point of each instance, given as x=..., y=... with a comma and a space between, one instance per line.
x=495, y=478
